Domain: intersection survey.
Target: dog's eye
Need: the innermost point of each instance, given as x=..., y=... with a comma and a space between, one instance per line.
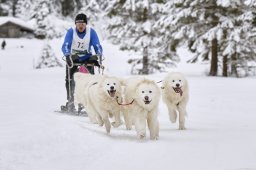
x=114, y=83
x=150, y=91
x=142, y=92
x=173, y=80
x=108, y=84
x=179, y=80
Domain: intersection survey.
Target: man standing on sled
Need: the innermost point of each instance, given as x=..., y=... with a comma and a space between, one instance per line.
x=77, y=49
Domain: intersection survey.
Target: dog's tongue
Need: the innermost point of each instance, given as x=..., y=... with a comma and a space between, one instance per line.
x=112, y=93
x=178, y=90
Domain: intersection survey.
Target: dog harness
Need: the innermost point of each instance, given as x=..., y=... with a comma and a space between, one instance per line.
x=123, y=104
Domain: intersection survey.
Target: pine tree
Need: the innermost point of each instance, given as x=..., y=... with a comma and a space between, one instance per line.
x=44, y=13
x=188, y=22
x=92, y=9
x=7, y=7
x=237, y=47
x=24, y=9
x=208, y=27
x=42, y=10
x=48, y=58
x=131, y=26
x=68, y=7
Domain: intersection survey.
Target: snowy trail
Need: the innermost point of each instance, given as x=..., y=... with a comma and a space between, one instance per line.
x=220, y=136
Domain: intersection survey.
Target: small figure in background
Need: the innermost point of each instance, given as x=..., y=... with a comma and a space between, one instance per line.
x=3, y=44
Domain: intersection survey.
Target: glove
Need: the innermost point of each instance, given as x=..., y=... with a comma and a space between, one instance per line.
x=74, y=58
x=93, y=58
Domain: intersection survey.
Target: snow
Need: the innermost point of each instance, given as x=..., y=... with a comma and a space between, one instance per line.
x=220, y=125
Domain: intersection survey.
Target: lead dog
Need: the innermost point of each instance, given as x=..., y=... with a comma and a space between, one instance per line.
x=142, y=96
x=101, y=97
x=175, y=95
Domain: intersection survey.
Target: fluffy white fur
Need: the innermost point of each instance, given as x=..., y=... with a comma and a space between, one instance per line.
x=175, y=94
x=81, y=82
x=145, y=95
x=101, y=95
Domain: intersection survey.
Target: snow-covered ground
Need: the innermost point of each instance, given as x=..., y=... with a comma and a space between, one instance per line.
x=220, y=135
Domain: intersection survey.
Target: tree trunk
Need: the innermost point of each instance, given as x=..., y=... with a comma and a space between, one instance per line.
x=234, y=65
x=225, y=66
x=14, y=7
x=145, y=69
x=214, y=59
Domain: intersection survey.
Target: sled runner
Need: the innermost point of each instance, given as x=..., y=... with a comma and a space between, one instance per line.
x=73, y=113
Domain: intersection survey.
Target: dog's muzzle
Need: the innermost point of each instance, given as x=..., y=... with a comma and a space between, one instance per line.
x=178, y=90
x=147, y=101
x=112, y=92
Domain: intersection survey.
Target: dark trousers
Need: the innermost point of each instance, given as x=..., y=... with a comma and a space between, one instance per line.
x=73, y=70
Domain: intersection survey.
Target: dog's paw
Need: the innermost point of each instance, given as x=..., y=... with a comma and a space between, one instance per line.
x=116, y=124
x=154, y=137
x=108, y=130
x=142, y=136
x=182, y=128
x=128, y=128
x=101, y=123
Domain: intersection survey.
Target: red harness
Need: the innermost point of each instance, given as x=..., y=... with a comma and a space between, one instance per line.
x=121, y=104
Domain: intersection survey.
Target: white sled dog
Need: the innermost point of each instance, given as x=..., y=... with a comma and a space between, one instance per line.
x=102, y=93
x=81, y=82
x=142, y=98
x=175, y=95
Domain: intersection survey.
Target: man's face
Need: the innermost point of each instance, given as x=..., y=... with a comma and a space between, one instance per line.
x=80, y=26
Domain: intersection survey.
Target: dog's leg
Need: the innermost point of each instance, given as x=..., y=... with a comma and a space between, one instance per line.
x=140, y=126
x=92, y=118
x=99, y=118
x=153, y=126
x=182, y=114
x=91, y=114
x=118, y=121
x=172, y=113
x=106, y=122
x=127, y=118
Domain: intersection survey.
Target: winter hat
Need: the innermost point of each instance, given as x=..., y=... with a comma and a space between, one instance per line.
x=81, y=18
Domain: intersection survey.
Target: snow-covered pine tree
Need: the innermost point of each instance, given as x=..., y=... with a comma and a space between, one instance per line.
x=71, y=7
x=7, y=7
x=48, y=58
x=189, y=21
x=239, y=48
x=92, y=8
x=24, y=9
x=131, y=26
x=206, y=27
x=68, y=7
x=41, y=10
x=45, y=12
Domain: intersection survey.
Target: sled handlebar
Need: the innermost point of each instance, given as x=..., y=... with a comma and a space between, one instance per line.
x=94, y=60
